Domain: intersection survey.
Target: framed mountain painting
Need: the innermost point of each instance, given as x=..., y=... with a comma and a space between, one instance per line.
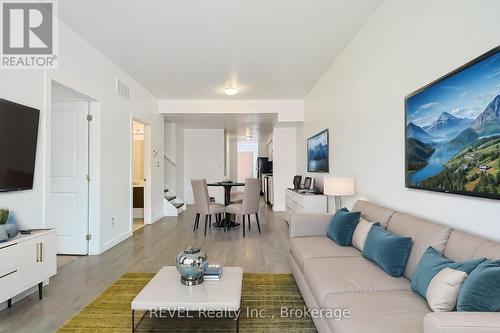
x=453, y=131
x=318, y=152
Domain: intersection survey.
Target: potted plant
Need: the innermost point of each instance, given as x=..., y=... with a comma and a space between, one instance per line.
x=4, y=215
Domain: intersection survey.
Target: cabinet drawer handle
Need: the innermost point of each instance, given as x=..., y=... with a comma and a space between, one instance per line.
x=39, y=252
x=1, y=277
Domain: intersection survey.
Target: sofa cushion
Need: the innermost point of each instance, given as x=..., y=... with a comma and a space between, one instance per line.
x=373, y=213
x=481, y=290
x=348, y=275
x=463, y=246
x=423, y=233
x=379, y=312
x=431, y=264
x=304, y=248
x=388, y=250
x=342, y=226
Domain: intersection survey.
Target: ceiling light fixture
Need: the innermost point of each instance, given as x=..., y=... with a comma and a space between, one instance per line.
x=231, y=91
x=138, y=132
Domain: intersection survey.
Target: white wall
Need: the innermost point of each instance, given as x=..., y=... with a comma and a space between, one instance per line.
x=233, y=159
x=253, y=146
x=263, y=144
x=138, y=158
x=179, y=160
x=86, y=70
x=405, y=45
x=263, y=149
x=174, y=164
x=284, y=164
x=203, y=158
x=170, y=159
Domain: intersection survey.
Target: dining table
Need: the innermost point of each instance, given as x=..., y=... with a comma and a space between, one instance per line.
x=228, y=186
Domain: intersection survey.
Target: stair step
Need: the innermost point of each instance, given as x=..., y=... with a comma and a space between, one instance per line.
x=178, y=205
x=170, y=198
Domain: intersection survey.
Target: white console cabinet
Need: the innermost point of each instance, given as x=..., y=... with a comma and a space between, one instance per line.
x=304, y=203
x=27, y=261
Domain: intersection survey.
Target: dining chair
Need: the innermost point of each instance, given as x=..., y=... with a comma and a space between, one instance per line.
x=203, y=206
x=250, y=203
x=236, y=197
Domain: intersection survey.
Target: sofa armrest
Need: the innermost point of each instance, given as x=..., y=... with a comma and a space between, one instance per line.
x=462, y=322
x=309, y=224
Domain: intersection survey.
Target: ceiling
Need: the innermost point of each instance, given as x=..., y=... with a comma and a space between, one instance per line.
x=258, y=125
x=185, y=49
x=137, y=126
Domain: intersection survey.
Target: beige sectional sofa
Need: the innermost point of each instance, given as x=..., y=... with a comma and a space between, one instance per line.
x=335, y=277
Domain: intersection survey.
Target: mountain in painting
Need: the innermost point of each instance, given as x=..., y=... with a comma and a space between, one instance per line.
x=418, y=153
x=318, y=152
x=416, y=132
x=488, y=121
x=464, y=139
x=447, y=125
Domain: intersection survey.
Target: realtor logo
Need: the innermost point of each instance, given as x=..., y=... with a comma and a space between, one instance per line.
x=28, y=34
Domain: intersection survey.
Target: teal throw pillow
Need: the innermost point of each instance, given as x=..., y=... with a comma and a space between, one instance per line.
x=481, y=290
x=342, y=226
x=389, y=251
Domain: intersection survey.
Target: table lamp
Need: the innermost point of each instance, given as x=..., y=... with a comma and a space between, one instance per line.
x=338, y=187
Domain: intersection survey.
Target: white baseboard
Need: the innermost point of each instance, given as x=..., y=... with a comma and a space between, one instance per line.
x=138, y=213
x=278, y=208
x=116, y=241
x=157, y=218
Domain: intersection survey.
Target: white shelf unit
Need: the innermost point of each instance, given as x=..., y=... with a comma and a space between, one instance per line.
x=304, y=203
x=27, y=261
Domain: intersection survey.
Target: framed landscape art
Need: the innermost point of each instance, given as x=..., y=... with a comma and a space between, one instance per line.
x=318, y=153
x=453, y=131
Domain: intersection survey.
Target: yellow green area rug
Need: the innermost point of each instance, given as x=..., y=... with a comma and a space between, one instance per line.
x=267, y=301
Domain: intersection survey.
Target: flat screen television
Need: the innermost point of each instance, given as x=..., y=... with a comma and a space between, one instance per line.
x=453, y=131
x=317, y=153
x=18, y=138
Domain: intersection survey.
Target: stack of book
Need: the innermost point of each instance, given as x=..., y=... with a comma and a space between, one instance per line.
x=213, y=273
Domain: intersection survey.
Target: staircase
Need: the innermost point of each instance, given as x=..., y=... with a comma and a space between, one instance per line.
x=172, y=205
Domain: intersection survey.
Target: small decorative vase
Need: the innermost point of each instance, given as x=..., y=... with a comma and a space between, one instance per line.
x=4, y=235
x=191, y=264
x=11, y=229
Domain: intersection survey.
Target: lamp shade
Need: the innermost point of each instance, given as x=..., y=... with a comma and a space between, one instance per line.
x=338, y=186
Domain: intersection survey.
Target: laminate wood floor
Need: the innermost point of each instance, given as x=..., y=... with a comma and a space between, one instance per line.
x=79, y=282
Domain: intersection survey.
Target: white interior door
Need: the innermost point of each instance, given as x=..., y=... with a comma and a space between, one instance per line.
x=68, y=198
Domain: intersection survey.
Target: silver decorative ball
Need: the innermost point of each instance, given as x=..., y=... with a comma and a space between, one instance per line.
x=191, y=263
